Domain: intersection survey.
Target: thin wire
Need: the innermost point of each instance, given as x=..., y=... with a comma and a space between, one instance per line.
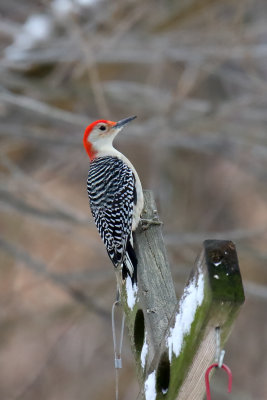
x=218, y=344
x=122, y=331
x=116, y=384
x=117, y=356
x=113, y=326
x=219, y=355
x=220, y=363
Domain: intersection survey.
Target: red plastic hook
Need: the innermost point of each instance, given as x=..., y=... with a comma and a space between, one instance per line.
x=230, y=378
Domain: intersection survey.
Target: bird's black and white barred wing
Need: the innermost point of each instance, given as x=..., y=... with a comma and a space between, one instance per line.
x=111, y=190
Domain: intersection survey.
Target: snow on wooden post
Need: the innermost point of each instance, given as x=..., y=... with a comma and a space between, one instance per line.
x=174, y=341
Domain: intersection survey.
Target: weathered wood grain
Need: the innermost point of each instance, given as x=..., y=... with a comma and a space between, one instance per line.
x=174, y=341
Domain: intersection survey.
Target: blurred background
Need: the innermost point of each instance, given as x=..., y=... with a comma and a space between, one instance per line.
x=194, y=71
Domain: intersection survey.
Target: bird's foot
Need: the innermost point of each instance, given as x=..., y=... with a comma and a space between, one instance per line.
x=147, y=222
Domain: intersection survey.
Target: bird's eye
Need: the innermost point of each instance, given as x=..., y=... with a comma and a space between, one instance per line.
x=102, y=127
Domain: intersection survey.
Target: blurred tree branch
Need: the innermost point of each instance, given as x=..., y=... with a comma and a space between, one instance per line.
x=39, y=268
x=42, y=108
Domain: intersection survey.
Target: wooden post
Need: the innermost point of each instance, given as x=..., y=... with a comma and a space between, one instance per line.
x=174, y=341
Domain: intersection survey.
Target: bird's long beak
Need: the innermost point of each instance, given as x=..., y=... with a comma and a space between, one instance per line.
x=124, y=121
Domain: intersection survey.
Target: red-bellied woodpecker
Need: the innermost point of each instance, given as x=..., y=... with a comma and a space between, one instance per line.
x=115, y=195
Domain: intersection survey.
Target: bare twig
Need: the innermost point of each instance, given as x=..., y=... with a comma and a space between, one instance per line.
x=39, y=268
x=29, y=182
x=44, y=109
x=175, y=239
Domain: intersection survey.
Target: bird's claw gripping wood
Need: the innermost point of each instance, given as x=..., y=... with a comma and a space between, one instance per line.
x=147, y=222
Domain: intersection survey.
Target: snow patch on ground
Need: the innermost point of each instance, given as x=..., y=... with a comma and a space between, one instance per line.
x=144, y=352
x=131, y=293
x=190, y=301
x=150, y=386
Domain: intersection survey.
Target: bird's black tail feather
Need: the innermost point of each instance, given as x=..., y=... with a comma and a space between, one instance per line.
x=130, y=263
